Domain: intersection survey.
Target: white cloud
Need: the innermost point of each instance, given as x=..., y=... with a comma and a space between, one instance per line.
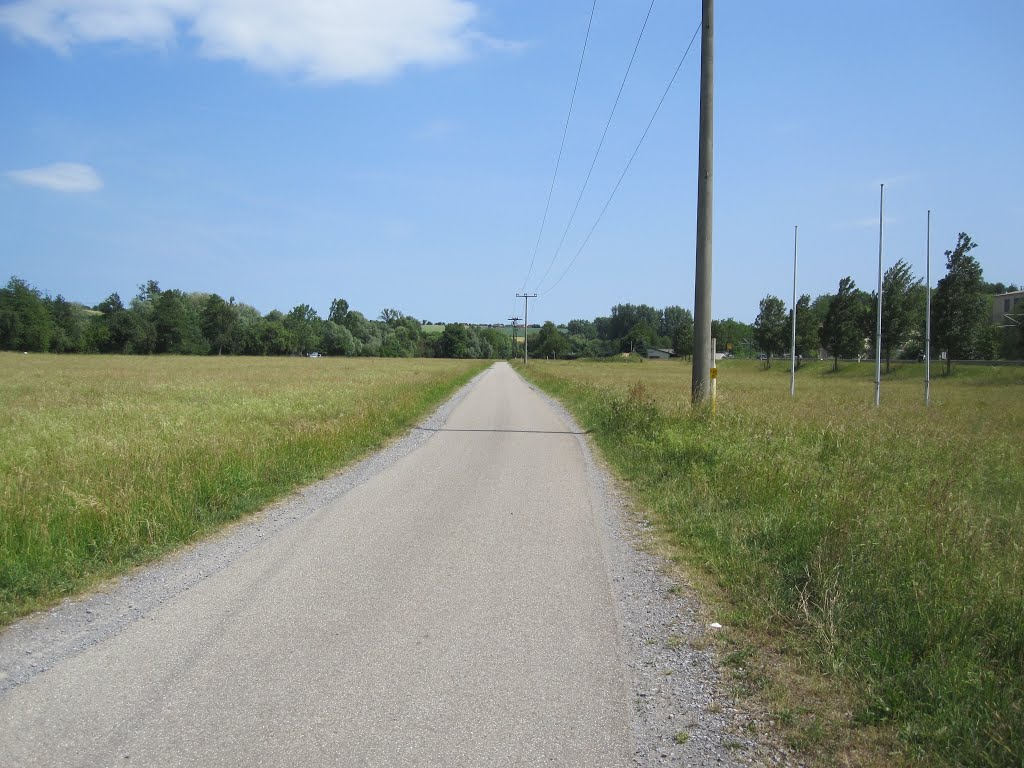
x=320, y=39
x=60, y=177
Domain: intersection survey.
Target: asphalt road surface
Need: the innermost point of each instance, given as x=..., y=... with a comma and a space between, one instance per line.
x=455, y=609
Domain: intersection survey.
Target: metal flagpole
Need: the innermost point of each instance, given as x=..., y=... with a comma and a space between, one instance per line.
x=792, y=362
x=878, y=327
x=928, y=316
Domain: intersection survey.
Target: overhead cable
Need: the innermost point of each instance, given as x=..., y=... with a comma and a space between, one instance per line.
x=600, y=144
x=626, y=169
x=561, y=147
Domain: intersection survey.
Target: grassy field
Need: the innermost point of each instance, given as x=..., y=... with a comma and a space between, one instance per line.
x=106, y=462
x=869, y=562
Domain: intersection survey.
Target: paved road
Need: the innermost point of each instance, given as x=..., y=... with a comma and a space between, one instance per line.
x=453, y=610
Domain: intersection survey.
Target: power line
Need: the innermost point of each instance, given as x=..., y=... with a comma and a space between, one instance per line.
x=600, y=144
x=561, y=147
x=628, y=164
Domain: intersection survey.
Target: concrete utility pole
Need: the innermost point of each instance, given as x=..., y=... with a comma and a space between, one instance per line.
x=515, y=336
x=526, y=324
x=702, y=361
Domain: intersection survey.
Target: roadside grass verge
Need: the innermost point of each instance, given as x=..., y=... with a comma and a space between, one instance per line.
x=879, y=551
x=108, y=462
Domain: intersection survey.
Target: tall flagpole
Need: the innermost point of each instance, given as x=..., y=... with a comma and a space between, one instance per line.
x=792, y=361
x=878, y=327
x=928, y=316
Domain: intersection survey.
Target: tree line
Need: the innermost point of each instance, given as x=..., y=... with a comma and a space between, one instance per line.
x=158, y=321
x=843, y=324
x=629, y=328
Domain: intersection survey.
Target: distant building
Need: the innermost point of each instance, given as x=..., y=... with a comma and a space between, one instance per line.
x=1007, y=308
x=659, y=354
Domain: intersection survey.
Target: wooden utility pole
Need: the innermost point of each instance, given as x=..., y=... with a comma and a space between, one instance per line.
x=526, y=324
x=702, y=356
x=515, y=336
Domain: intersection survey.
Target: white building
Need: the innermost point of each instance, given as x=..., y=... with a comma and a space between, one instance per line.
x=1008, y=308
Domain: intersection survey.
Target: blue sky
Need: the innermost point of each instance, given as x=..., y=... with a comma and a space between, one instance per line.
x=399, y=153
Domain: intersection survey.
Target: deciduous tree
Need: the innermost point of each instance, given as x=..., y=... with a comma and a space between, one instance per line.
x=842, y=333
x=551, y=342
x=25, y=324
x=770, y=327
x=960, y=309
x=808, y=328
x=899, y=307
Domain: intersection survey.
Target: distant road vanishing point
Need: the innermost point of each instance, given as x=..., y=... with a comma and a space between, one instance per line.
x=454, y=609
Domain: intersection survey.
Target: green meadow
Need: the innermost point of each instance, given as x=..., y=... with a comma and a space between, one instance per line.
x=867, y=562
x=108, y=462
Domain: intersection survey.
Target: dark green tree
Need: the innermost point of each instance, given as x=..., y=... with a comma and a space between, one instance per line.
x=625, y=317
x=275, y=337
x=218, y=319
x=584, y=328
x=682, y=339
x=671, y=318
x=771, y=327
x=25, y=323
x=960, y=316
x=501, y=344
x=732, y=335
x=899, y=309
x=638, y=338
x=358, y=326
x=303, y=325
x=68, y=322
x=143, y=311
x=246, y=331
x=337, y=340
x=808, y=328
x=457, y=341
x=177, y=324
x=842, y=332
x=115, y=330
x=551, y=342
x=339, y=310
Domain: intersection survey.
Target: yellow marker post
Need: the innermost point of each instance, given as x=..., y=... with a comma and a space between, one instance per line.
x=714, y=391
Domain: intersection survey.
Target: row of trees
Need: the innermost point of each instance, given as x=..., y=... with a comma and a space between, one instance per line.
x=844, y=323
x=629, y=328
x=171, y=321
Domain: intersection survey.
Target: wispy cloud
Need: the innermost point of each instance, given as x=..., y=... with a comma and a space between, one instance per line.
x=497, y=44
x=322, y=40
x=60, y=177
